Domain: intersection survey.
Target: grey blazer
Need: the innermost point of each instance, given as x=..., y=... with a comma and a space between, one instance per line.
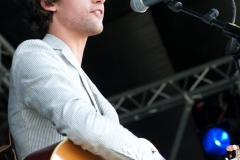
x=51, y=98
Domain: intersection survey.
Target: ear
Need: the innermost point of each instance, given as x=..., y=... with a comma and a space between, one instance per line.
x=48, y=7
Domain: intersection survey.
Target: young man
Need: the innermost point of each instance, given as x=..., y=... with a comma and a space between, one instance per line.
x=51, y=98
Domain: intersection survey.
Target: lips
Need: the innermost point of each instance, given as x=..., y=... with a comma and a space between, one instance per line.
x=97, y=11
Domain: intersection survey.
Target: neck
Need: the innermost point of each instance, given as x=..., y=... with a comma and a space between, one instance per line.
x=74, y=41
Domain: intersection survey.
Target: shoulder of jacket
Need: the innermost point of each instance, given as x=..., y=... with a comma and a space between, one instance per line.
x=32, y=45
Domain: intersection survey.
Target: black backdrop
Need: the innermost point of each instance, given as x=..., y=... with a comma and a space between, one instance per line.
x=136, y=49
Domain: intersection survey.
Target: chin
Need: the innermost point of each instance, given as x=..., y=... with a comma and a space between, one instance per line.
x=96, y=31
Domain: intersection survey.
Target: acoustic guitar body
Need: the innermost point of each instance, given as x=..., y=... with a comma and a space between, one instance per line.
x=64, y=150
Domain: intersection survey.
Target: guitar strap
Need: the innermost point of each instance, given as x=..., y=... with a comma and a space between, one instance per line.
x=7, y=152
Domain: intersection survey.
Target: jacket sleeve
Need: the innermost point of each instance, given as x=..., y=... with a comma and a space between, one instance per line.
x=41, y=80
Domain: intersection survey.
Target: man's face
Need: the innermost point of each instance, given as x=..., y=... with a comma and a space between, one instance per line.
x=81, y=16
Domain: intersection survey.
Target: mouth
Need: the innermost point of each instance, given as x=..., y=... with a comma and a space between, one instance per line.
x=98, y=11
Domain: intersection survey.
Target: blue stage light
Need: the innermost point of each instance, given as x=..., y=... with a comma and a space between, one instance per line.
x=215, y=141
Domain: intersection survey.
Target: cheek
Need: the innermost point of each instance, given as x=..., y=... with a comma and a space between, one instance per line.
x=71, y=8
x=77, y=12
x=71, y=15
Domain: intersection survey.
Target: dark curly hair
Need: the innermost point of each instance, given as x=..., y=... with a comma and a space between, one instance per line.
x=37, y=17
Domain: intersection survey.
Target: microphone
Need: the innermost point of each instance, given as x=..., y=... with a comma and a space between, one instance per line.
x=142, y=5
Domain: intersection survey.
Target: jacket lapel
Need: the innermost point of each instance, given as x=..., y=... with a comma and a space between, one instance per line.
x=58, y=44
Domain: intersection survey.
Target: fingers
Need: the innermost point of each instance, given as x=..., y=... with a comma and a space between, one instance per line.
x=232, y=147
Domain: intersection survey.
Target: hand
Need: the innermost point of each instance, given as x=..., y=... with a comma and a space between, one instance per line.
x=232, y=147
x=156, y=154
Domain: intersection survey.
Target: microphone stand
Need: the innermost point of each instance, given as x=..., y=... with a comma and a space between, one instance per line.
x=230, y=30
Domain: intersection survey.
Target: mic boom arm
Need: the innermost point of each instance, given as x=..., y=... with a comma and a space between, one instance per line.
x=229, y=29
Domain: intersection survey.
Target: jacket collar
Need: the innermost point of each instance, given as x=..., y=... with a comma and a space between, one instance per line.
x=58, y=44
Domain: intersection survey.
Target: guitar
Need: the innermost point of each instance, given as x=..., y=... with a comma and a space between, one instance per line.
x=66, y=150
x=7, y=152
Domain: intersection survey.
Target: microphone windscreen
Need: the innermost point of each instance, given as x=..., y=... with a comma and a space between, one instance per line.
x=138, y=6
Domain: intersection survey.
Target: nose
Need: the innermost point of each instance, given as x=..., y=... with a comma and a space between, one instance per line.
x=99, y=1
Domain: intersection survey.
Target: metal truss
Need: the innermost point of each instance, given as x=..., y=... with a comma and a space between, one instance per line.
x=5, y=49
x=177, y=90
x=199, y=82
